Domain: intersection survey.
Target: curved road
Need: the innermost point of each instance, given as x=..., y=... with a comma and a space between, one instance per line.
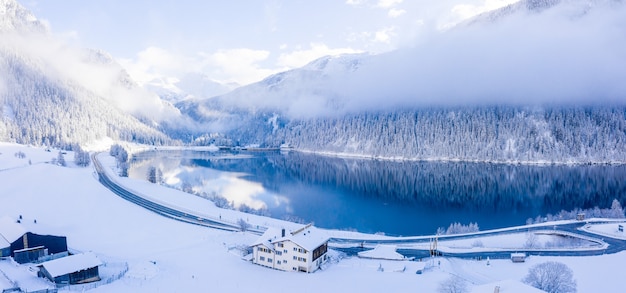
x=353, y=246
x=161, y=209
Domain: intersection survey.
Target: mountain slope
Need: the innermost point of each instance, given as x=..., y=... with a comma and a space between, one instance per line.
x=540, y=87
x=57, y=95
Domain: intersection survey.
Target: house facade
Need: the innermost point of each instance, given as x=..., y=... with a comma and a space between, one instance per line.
x=302, y=250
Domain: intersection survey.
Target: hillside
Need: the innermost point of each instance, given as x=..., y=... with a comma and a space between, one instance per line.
x=54, y=94
x=538, y=86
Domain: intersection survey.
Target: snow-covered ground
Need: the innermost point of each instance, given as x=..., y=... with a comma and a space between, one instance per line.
x=164, y=255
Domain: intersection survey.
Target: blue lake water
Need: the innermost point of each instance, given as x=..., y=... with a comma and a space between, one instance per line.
x=394, y=197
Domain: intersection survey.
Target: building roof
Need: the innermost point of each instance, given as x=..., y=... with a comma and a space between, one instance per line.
x=307, y=237
x=70, y=264
x=10, y=231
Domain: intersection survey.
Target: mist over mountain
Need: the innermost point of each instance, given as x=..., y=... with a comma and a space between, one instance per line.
x=539, y=83
x=58, y=95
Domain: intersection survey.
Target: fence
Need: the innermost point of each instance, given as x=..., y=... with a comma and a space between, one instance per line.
x=103, y=281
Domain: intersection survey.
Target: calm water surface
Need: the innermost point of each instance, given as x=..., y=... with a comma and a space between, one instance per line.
x=398, y=198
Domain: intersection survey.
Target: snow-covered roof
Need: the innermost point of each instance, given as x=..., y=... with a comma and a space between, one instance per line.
x=307, y=237
x=506, y=286
x=9, y=231
x=73, y=263
x=382, y=251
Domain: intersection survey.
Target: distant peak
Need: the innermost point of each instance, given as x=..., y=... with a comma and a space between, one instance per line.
x=15, y=18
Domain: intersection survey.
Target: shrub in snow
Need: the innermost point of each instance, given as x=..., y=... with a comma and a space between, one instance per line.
x=454, y=284
x=552, y=277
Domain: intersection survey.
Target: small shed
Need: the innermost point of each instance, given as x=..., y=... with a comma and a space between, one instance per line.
x=580, y=216
x=518, y=257
x=27, y=255
x=73, y=269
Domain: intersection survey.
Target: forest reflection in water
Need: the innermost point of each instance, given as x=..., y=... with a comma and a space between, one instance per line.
x=395, y=197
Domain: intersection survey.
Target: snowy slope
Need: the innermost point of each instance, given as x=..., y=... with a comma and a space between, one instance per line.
x=52, y=93
x=164, y=255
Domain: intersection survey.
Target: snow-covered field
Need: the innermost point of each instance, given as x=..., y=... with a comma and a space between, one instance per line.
x=164, y=255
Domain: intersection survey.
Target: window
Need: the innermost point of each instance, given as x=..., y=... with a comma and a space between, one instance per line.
x=295, y=257
x=295, y=249
x=269, y=260
x=294, y=268
x=278, y=252
x=280, y=244
x=278, y=262
x=262, y=258
x=285, y=251
x=284, y=261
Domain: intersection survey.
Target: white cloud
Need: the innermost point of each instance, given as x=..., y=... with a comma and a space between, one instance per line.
x=300, y=58
x=394, y=12
x=388, y=3
x=465, y=11
x=154, y=62
x=355, y=2
x=236, y=65
x=239, y=65
x=384, y=35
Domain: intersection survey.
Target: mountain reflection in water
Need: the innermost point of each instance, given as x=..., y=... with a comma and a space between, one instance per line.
x=395, y=197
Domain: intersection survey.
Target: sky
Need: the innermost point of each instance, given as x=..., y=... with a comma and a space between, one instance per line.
x=245, y=41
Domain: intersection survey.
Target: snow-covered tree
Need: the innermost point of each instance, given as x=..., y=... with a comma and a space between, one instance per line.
x=61, y=159
x=154, y=175
x=81, y=158
x=616, y=210
x=552, y=277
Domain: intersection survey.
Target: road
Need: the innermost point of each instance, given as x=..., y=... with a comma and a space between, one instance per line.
x=352, y=246
x=162, y=209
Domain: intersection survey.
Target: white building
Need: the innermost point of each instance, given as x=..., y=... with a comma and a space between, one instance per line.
x=302, y=250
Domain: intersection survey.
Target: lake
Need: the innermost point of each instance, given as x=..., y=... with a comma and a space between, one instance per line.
x=394, y=197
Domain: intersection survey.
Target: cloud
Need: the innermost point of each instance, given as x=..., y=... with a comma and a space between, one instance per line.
x=355, y=2
x=388, y=3
x=300, y=58
x=394, y=12
x=460, y=12
x=384, y=35
x=154, y=62
x=239, y=65
x=524, y=59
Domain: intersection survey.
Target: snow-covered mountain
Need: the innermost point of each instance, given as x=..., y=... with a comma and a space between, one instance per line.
x=540, y=88
x=574, y=8
x=54, y=94
x=15, y=18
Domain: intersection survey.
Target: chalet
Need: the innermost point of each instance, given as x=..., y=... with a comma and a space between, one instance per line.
x=26, y=246
x=73, y=269
x=302, y=250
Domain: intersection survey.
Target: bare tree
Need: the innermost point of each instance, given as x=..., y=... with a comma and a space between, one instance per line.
x=243, y=224
x=552, y=277
x=454, y=284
